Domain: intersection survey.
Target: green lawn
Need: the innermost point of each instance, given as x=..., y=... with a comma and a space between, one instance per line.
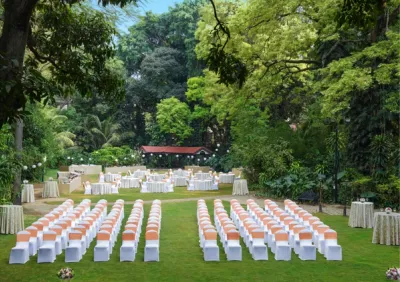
x=134, y=194
x=181, y=258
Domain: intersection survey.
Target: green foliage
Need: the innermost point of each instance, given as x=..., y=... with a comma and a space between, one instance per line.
x=173, y=118
x=381, y=156
x=9, y=166
x=389, y=193
x=111, y=156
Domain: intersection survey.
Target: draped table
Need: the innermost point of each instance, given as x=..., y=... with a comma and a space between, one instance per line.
x=202, y=176
x=50, y=190
x=156, y=177
x=361, y=214
x=11, y=219
x=226, y=178
x=200, y=185
x=28, y=194
x=140, y=174
x=130, y=182
x=110, y=177
x=101, y=188
x=182, y=173
x=386, y=228
x=157, y=187
x=179, y=181
x=240, y=187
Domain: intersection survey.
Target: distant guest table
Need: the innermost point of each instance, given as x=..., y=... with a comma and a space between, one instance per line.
x=181, y=172
x=157, y=177
x=101, y=188
x=140, y=173
x=50, y=190
x=200, y=185
x=202, y=176
x=28, y=194
x=226, y=178
x=110, y=177
x=240, y=188
x=130, y=182
x=11, y=219
x=157, y=187
x=361, y=214
x=179, y=181
x=386, y=228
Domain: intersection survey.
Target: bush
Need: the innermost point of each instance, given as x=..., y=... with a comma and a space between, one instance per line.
x=115, y=156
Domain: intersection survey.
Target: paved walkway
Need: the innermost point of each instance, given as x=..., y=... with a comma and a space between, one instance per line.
x=41, y=207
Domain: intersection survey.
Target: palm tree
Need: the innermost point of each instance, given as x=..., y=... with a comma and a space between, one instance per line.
x=100, y=134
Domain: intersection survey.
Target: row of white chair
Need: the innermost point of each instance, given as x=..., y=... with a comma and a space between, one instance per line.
x=153, y=228
x=207, y=233
x=131, y=235
x=108, y=232
x=229, y=235
x=84, y=231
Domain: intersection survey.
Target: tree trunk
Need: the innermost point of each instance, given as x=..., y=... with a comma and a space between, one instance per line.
x=13, y=40
x=19, y=129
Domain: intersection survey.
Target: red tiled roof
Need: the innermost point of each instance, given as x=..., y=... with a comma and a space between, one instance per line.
x=174, y=150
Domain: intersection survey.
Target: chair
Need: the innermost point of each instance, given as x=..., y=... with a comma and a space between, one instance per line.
x=73, y=252
x=210, y=247
x=47, y=252
x=258, y=249
x=20, y=253
x=282, y=249
x=58, y=230
x=101, y=177
x=233, y=248
x=333, y=251
x=151, y=250
x=128, y=248
x=39, y=226
x=307, y=250
x=102, y=248
x=33, y=240
x=88, y=188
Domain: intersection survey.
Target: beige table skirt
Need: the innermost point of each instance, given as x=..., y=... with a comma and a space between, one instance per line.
x=361, y=214
x=101, y=188
x=179, y=181
x=386, y=228
x=240, y=188
x=226, y=178
x=50, y=190
x=11, y=219
x=130, y=182
x=202, y=176
x=28, y=193
x=157, y=187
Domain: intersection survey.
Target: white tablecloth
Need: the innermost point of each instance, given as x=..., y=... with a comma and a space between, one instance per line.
x=240, y=188
x=11, y=219
x=140, y=174
x=110, y=177
x=200, y=185
x=226, y=178
x=386, y=228
x=179, y=181
x=181, y=172
x=361, y=214
x=28, y=193
x=101, y=188
x=157, y=187
x=203, y=176
x=50, y=190
x=130, y=182
x=156, y=177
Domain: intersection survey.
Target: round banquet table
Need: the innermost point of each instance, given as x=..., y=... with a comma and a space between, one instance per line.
x=386, y=228
x=361, y=214
x=226, y=178
x=200, y=185
x=139, y=174
x=50, y=190
x=179, y=181
x=11, y=219
x=240, y=187
x=101, y=188
x=28, y=193
x=157, y=187
x=203, y=176
x=130, y=182
x=110, y=177
x=156, y=177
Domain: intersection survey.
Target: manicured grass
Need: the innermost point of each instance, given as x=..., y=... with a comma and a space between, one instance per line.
x=134, y=194
x=181, y=258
